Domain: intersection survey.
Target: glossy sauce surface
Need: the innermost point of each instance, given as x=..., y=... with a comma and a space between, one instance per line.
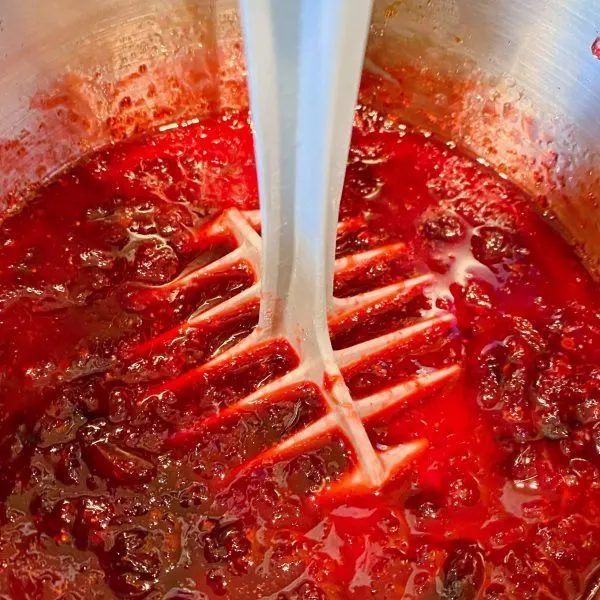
x=104, y=492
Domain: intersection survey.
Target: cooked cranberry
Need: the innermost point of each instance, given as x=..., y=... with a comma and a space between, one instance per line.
x=426, y=505
x=119, y=405
x=66, y=459
x=112, y=462
x=226, y=542
x=463, y=572
x=306, y=473
x=155, y=263
x=492, y=245
x=193, y=495
x=462, y=489
x=572, y=542
x=93, y=517
x=58, y=520
x=305, y=591
x=134, y=563
x=445, y=228
x=217, y=581
x=114, y=484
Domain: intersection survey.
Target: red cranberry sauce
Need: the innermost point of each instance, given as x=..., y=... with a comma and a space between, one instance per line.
x=103, y=496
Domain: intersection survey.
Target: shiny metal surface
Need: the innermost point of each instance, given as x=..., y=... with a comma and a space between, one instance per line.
x=514, y=81
x=544, y=47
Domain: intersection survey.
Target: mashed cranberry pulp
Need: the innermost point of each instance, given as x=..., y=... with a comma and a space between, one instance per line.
x=103, y=496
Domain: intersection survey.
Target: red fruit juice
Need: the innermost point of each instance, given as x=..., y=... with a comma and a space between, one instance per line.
x=101, y=496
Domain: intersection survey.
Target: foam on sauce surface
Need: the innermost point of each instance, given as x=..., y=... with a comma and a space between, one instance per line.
x=102, y=496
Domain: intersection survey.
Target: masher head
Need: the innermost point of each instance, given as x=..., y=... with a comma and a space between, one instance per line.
x=372, y=467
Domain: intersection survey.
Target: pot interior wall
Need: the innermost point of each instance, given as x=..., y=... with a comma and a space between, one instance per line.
x=511, y=81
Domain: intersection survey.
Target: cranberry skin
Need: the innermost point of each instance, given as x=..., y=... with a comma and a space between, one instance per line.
x=306, y=473
x=66, y=459
x=492, y=245
x=134, y=563
x=305, y=591
x=463, y=572
x=462, y=490
x=226, y=543
x=117, y=464
x=155, y=263
x=57, y=520
x=217, y=581
x=93, y=518
x=444, y=228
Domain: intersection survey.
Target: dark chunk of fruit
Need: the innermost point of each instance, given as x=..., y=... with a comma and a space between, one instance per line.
x=463, y=572
x=217, y=581
x=305, y=591
x=93, y=517
x=445, y=228
x=134, y=563
x=492, y=245
x=226, y=543
x=112, y=462
x=462, y=490
x=306, y=473
x=155, y=263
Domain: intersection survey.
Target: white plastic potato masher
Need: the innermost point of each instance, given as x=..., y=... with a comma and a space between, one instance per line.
x=304, y=61
x=304, y=65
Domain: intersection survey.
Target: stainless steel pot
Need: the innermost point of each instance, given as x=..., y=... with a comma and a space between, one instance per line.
x=514, y=81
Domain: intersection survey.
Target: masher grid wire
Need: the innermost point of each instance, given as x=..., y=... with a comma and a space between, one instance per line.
x=341, y=416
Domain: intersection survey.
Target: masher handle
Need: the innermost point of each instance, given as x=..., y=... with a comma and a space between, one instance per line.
x=304, y=61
